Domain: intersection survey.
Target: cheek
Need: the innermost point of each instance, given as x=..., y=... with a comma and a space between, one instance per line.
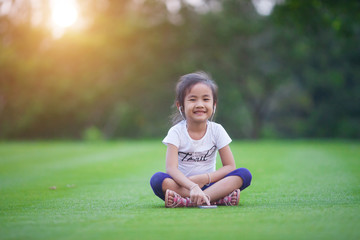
x=210, y=106
x=187, y=107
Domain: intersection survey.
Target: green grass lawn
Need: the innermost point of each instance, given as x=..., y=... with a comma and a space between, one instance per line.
x=300, y=190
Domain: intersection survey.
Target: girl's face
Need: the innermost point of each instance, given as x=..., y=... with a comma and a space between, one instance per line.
x=199, y=103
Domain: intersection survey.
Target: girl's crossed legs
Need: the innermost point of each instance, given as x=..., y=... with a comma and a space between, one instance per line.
x=237, y=179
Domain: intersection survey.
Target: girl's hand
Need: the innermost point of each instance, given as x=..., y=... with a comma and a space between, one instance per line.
x=197, y=196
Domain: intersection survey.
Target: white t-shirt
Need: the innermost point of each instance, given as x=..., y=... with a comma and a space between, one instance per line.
x=197, y=156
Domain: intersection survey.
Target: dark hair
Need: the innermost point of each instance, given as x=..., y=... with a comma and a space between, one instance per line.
x=184, y=86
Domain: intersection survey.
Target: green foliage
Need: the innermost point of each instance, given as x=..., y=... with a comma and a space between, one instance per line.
x=326, y=66
x=292, y=74
x=76, y=190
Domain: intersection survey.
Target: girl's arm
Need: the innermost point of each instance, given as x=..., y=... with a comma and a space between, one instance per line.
x=228, y=163
x=196, y=194
x=173, y=170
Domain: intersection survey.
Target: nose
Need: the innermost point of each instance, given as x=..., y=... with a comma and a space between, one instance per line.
x=200, y=104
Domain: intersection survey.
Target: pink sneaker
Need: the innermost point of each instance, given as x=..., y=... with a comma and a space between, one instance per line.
x=178, y=200
x=226, y=201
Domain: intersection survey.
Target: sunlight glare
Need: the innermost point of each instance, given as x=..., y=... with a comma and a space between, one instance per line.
x=64, y=13
x=265, y=7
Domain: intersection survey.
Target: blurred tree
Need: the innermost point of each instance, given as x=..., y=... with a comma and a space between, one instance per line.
x=117, y=74
x=325, y=61
x=240, y=48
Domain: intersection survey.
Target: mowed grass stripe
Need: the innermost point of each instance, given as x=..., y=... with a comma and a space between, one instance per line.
x=294, y=195
x=311, y=173
x=74, y=174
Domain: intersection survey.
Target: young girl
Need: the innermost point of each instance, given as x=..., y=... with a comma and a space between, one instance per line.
x=191, y=178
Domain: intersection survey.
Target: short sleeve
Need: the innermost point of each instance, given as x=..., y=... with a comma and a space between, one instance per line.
x=223, y=138
x=173, y=137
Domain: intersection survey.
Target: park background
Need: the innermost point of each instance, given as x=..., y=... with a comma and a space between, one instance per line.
x=86, y=92
x=285, y=69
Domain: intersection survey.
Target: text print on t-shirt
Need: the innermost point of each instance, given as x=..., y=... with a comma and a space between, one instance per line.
x=197, y=156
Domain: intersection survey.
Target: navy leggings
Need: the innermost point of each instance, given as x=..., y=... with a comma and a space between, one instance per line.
x=158, y=178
